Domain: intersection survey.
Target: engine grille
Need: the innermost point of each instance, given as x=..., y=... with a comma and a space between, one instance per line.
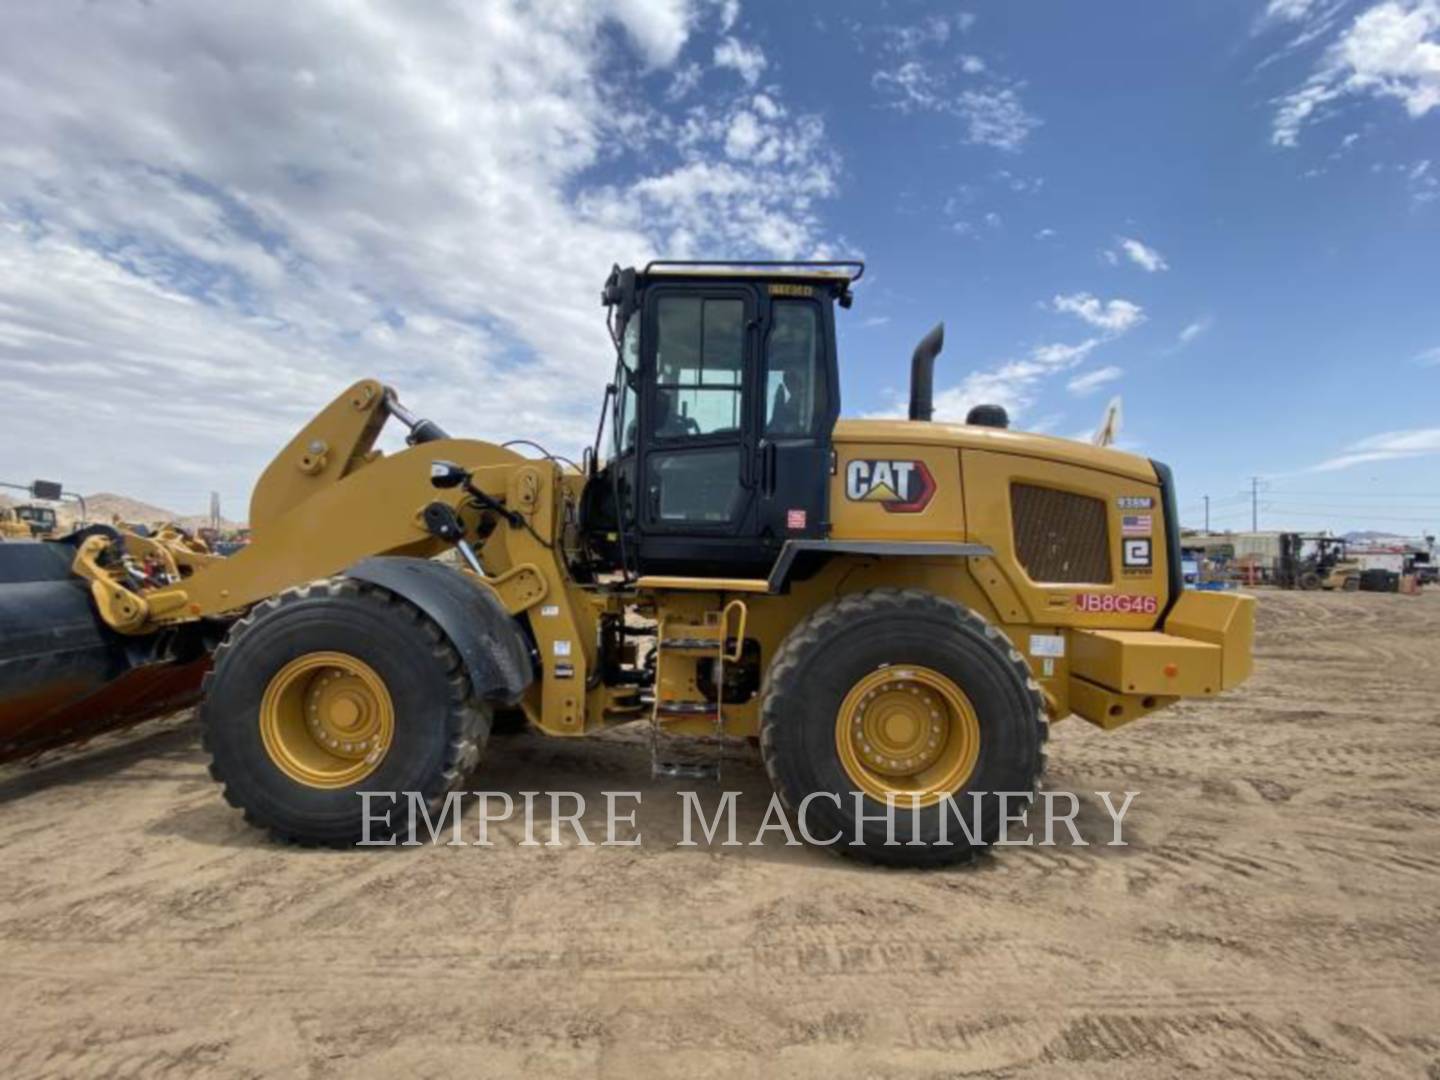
x=1060, y=536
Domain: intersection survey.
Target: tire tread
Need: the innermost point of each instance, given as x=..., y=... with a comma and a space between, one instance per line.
x=467, y=718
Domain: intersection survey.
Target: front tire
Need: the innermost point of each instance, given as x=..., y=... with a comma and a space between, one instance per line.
x=902, y=693
x=331, y=689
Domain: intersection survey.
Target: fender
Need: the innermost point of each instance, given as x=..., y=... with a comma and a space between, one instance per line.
x=489, y=641
x=780, y=573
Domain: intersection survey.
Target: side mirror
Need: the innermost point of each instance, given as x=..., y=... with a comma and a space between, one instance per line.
x=446, y=474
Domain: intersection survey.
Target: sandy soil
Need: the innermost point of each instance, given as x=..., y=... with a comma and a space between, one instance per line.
x=1275, y=914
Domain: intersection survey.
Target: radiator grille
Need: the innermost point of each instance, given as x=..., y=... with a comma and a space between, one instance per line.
x=1060, y=536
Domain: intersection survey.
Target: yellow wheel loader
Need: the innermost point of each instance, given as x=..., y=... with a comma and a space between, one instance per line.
x=27, y=521
x=11, y=527
x=893, y=609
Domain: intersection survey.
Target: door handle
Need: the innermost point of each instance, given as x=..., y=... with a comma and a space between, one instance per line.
x=767, y=468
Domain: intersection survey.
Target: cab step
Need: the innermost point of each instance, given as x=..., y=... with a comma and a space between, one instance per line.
x=685, y=770
x=679, y=648
x=689, y=710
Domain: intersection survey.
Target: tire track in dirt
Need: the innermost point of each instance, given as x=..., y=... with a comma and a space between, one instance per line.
x=1273, y=914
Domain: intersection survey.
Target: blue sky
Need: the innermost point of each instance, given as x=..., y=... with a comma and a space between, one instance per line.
x=1226, y=213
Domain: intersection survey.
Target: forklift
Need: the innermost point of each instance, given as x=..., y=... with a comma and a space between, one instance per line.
x=1325, y=564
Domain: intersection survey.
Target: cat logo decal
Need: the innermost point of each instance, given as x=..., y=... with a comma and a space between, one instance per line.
x=902, y=487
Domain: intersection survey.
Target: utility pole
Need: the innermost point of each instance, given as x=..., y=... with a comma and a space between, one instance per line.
x=1207, y=513
x=1254, y=504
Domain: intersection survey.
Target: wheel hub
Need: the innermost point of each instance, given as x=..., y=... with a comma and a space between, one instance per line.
x=327, y=720
x=907, y=732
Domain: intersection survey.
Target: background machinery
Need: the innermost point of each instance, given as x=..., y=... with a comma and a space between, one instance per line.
x=1316, y=562
x=894, y=608
x=28, y=520
x=11, y=527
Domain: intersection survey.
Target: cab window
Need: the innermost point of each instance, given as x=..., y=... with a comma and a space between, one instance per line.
x=625, y=430
x=794, y=375
x=699, y=362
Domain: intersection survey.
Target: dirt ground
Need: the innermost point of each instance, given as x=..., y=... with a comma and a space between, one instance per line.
x=1274, y=915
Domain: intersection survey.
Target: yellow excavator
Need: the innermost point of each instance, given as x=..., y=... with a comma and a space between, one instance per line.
x=894, y=609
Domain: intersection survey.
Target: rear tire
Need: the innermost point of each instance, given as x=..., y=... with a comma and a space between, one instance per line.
x=845, y=647
x=438, y=732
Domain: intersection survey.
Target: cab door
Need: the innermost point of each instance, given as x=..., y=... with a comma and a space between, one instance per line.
x=799, y=402
x=697, y=494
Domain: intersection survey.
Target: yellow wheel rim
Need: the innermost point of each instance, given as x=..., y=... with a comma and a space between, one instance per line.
x=327, y=720
x=909, y=733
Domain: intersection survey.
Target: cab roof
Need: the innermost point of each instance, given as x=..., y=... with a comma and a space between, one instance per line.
x=842, y=271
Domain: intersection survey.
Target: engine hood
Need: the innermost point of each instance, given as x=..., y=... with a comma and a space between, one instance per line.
x=996, y=440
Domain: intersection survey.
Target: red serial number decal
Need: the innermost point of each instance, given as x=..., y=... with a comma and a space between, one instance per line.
x=1116, y=604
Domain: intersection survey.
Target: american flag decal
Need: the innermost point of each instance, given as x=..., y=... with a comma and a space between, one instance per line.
x=1135, y=525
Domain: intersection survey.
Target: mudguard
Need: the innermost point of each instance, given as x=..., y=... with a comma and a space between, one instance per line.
x=490, y=642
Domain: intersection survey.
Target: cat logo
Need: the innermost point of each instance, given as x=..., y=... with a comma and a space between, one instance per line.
x=902, y=487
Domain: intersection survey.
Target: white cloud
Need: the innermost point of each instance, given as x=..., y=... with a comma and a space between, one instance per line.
x=764, y=196
x=926, y=77
x=1147, y=258
x=1024, y=184
x=1091, y=381
x=1045, y=234
x=1429, y=357
x=935, y=30
x=1288, y=10
x=1423, y=183
x=1012, y=384
x=1387, y=446
x=658, y=27
x=747, y=60
x=214, y=217
x=995, y=118
x=911, y=86
x=1192, y=331
x=1114, y=316
x=1063, y=356
x=729, y=14
x=743, y=136
x=685, y=79
x=1392, y=49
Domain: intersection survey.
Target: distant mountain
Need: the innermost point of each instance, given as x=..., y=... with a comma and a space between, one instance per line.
x=104, y=507
x=1372, y=536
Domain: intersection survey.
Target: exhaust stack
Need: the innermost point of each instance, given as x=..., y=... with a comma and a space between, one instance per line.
x=922, y=373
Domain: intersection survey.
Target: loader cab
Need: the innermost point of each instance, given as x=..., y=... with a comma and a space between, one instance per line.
x=42, y=520
x=726, y=393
